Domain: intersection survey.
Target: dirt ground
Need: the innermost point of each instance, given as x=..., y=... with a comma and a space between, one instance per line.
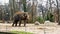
x=36, y=29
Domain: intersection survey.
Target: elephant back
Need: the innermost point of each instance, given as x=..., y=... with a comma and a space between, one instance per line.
x=23, y=15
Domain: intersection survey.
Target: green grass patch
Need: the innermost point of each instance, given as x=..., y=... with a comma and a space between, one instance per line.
x=16, y=32
x=20, y=32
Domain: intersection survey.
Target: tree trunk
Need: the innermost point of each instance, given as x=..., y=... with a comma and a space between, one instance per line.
x=58, y=12
x=24, y=5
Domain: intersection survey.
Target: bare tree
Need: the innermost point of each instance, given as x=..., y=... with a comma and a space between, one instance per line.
x=58, y=12
x=24, y=5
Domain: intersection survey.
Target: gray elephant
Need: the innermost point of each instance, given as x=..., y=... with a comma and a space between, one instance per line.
x=18, y=17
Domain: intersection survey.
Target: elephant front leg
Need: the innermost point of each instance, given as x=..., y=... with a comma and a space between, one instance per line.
x=24, y=22
x=20, y=23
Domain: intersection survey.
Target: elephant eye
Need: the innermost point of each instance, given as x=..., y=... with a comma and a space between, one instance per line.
x=22, y=15
x=25, y=15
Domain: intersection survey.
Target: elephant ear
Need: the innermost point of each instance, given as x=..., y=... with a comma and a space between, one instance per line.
x=23, y=16
x=27, y=15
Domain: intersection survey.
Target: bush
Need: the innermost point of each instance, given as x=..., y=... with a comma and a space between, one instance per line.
x=40, y=19
x=50, y=17
x=31, y=21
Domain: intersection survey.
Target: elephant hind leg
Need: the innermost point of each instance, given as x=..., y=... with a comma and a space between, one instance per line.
x=13, y=23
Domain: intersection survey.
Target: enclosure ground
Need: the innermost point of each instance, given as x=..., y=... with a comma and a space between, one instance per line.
x=36, y=29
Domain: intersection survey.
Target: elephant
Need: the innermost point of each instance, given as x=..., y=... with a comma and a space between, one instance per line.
x=18, y=17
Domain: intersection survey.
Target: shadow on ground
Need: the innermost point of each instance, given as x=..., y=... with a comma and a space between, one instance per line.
x=6, y=33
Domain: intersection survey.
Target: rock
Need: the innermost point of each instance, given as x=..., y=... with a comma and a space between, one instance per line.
x=37, y=23
x=47, y=22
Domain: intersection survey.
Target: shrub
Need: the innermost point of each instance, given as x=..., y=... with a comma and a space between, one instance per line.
x=21, y=32
x=40, y=19
x=31, y=21
x=50, y=17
